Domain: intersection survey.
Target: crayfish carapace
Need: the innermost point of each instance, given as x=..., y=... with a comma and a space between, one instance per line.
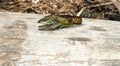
x=54, y=22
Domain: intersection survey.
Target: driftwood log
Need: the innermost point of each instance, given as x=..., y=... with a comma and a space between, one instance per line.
x=94, y=43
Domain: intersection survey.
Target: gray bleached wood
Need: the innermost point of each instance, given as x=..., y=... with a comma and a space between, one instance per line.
x=94, y=43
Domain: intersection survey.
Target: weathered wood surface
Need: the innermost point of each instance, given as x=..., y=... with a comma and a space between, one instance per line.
x=94, y=43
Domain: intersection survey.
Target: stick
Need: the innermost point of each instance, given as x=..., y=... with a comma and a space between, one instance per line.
x=81, y=11
x=103, y=4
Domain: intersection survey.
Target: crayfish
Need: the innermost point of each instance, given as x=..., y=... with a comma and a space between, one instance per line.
x=54, y=22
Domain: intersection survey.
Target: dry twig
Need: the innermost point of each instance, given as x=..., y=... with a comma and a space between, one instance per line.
x=103, y=4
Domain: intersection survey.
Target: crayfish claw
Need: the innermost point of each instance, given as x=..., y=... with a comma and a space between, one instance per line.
x=44, y=27
x=49, y=27
x=46, y=18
